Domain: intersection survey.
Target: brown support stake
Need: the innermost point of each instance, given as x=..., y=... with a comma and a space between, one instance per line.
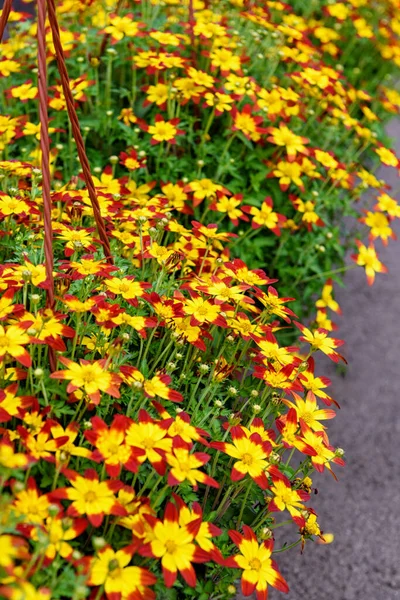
x=4, y=16
x=45, y=162
x=73, y=117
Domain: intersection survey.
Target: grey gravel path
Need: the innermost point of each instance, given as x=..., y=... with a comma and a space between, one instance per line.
x=361, y=509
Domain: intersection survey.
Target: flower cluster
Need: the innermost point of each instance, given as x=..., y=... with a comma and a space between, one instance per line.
x=164, y=415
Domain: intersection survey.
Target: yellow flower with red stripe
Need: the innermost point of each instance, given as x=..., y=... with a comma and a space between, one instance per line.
x=203, y=311
x=206, y=531
x=323, y=452
x=29, y=504
x=131, y=161
x=174, y=545
x=68, y=448
x=379, y=226
x=247, y=123
x=316, y=384
x=156, y=386
x=326, y=300
x=251, y=454
x=259, y=570
x=180, y=426
x=185, y=465
x=151, y=436
x=91, y=378
x=40, y=445
x=319, y=340
x=111, y=447
x=111, y=569
x=57, y=536
x=283, y=136
x=12, y=342
x=266, y=216
x=287, y=498
x=162, y=131
x=289, y=428
x=12, y=405
x=308, y=411
x=90, y=496
x=126, y=287
x=368, y=258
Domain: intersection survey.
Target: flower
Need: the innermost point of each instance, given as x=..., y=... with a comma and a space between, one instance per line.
x=368, y=258
x=247, y=123
x=185, y=466
x=92, y=378
x=151, y=436
x=259, y=570
x=285, y=497
x=174, y=545
x=122, y=26
x=308, y=411
x=12, y=342
x=111, y=447
x=163, y=131
x=283, y=136
x=90, y=496
x=110, y=569
x=319, y=340
x=251, y=454
x=265, y=216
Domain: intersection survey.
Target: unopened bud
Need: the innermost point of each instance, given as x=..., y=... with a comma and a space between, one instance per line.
x=113, y=159
x=266, y=533
x=98, y=542
x=53, y=510
x=274, y=458
x=256, y=408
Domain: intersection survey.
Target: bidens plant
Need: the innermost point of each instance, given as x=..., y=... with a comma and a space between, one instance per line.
x=164, y=415
x=171, y=421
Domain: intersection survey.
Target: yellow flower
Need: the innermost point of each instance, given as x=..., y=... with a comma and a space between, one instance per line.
x=12, y=342
x=121, y=27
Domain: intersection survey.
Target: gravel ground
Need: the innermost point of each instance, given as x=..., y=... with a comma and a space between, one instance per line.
x=360, y=509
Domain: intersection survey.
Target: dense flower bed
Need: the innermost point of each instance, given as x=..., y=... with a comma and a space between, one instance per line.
x=184, y=419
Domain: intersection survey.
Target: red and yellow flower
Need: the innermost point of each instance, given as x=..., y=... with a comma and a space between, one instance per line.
x=251, y=454
x=259, y=570
x=90, y=377
x=111, y=569
x=90, y=496
x=174, y=545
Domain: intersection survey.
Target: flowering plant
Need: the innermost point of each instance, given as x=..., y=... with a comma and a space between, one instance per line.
x=164, y=416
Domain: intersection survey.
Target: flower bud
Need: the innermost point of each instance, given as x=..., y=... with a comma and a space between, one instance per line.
x=231, y=589
x=218, y=403
x=113, y=159
x=233, y=391
x=203, y=368
x=98, y=542
x=38, y=373
x=53, y=510
x=266, y=533
x=274, y=458
x=254, y=393
x=35, y=299
x=256, y=409
x=339, y=452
